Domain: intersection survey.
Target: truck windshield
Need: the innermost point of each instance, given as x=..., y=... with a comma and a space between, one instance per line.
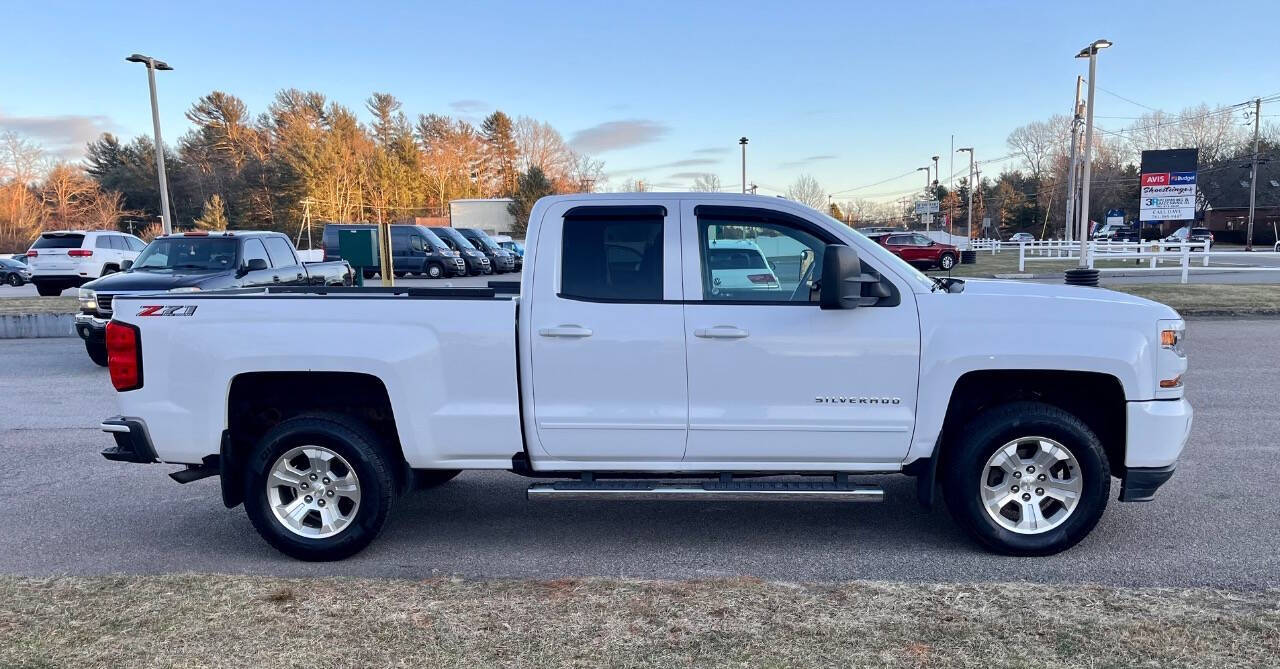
x=188, y=253
x=481, y=239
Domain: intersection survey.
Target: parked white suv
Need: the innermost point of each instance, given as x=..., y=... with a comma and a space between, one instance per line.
x=64, y=258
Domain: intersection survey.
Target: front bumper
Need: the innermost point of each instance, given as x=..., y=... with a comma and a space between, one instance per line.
x=133, y=443
x=1155, y=434
x=1139, y=484
x=90, y=327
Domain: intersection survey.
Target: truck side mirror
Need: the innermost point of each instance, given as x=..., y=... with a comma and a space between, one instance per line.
x=124, y=266
x=254, y=265
x=843, y=278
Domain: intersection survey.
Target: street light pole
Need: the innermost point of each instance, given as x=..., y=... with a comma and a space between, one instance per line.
x=936, y=174
x=1068, y=230
x=153, y=65
x=743, y=142
x=1253, y=179
x=1090, y=52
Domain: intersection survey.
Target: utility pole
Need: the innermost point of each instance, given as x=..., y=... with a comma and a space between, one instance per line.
x=1076, y=119
x=152, y=64
x=951, y=189
x=1253, y=181
x=968, y=222
x=743, y=142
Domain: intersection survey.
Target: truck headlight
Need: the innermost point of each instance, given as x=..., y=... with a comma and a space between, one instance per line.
x=87, y=298
x=1171, y=359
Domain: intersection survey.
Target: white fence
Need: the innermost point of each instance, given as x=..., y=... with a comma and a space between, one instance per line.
x=1148, y=256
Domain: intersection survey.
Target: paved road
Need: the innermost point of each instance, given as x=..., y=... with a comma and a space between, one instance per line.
x=66, y=510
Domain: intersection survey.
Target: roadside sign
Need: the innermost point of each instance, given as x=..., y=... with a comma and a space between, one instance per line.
x=1168, y=185
x=927, y=206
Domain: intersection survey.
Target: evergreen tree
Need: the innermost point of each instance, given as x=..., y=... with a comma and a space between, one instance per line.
x=501, y=153
x=531, y=186
x=214, y=216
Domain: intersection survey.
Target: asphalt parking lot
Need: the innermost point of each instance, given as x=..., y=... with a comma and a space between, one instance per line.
x=68, y=511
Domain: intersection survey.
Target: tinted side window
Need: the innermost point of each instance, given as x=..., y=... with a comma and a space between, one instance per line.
x=618, y=259
x=281, y=254
x=254, y=249
x=103, y=242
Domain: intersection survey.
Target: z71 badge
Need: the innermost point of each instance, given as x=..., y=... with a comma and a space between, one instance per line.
x=175, y=310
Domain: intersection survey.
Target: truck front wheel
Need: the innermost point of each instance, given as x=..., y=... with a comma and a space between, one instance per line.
x=1026, y=478
x=317, y=487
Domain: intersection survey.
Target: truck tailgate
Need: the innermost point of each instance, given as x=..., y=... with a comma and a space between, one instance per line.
x=448, y=364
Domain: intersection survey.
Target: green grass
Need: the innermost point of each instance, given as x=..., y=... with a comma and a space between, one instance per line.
x=250, y=621
x=1206, y=299
x=38, y=305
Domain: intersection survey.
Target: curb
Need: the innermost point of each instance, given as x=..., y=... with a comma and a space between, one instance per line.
x=24, y=326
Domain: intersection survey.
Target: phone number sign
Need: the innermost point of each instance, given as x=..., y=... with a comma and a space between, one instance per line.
x=1168, y=196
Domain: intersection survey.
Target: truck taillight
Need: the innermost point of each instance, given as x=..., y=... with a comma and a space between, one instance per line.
x=80, y=253
x=124, y=355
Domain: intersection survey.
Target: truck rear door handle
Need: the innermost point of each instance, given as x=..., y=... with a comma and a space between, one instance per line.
x=721, y=332
x=565, y=331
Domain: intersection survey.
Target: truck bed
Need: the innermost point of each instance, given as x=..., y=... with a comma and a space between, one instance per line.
x=446, y=356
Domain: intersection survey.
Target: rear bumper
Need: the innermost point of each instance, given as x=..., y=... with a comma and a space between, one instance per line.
x=91, y=328
x=69, y=279
x=133, y=443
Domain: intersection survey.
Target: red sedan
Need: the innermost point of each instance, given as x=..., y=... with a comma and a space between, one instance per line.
x=919, y=250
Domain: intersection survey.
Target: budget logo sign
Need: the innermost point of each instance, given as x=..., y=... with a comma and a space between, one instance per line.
x=1159, y=179
x=1182, y=179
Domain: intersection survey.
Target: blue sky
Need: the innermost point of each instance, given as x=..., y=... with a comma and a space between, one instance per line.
x=849, y=92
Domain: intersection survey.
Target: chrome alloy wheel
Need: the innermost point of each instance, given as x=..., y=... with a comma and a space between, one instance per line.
x=1031, y=485
x=313, y=492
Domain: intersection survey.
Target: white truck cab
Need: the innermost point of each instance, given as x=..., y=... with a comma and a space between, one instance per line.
x=622, y=370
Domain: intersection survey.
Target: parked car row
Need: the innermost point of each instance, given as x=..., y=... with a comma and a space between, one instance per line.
x=433, y=252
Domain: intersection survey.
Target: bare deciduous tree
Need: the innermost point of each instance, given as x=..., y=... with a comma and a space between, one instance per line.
x=706, y=183
x=806, y=190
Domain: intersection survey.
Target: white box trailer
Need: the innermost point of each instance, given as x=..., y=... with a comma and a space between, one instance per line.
x=488, y=214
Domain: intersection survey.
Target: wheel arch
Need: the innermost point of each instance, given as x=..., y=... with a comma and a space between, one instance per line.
x=257, y=401
x=1097, y=398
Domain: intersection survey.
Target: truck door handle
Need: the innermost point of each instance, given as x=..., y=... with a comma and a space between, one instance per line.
x=721, y=332
x=565, y=331
x=276, y=278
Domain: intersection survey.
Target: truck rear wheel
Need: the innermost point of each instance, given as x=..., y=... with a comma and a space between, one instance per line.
x=1026, y=478
x=318, y=487
x=49, y=289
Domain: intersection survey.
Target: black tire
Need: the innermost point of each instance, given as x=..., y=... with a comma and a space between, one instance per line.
x=50, y=289
x=368, y=273
x=947, y=261
x=965, y=458
x=434, y=271
x=426, y=479
x=359, y=446
x=97, y=351
x=13, y=279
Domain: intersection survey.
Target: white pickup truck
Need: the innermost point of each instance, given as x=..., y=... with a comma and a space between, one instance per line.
x=626, y=366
